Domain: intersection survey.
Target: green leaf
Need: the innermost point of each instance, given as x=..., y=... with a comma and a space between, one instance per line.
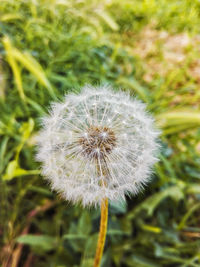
x=74, y=236
x=43, y=241
x=178, y=118
x=150, y=204
x=84, y=225
x=14, y=66
x=3, y=146
x=135, y=86
x=89, y=251
x=34, y=67
x=25, y=130
x=182, y=224
x=140, y=261
x=30, y=63
x=193, y=188
x=107, y=19
x=13, y=170
x=116, y=232
x=151, y=228
x=119, y=207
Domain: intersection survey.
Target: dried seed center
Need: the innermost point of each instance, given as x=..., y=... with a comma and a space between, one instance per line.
x=97, y=142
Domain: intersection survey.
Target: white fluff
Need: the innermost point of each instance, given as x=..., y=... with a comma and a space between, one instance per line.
x=128, y=164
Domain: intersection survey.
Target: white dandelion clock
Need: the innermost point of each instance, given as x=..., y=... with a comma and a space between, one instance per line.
x=96, y=145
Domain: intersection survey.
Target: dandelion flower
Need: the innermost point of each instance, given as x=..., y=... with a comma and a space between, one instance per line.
x=99, y=144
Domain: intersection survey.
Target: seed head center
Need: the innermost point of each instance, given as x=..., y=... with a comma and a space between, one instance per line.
x=97, y=142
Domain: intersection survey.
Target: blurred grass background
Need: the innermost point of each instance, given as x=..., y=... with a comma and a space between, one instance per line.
x=150, y=47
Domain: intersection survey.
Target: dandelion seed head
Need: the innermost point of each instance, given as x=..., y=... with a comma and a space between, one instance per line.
x=97, y=144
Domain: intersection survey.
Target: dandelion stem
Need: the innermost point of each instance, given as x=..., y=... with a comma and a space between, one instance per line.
x=102, y=232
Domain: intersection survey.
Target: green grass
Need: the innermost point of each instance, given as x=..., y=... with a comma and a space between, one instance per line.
x=48, y=48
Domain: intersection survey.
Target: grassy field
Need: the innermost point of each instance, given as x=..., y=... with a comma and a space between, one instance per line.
x=152, y=49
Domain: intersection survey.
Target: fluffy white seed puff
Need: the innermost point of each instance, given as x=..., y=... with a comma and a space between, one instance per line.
x=97, y=144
